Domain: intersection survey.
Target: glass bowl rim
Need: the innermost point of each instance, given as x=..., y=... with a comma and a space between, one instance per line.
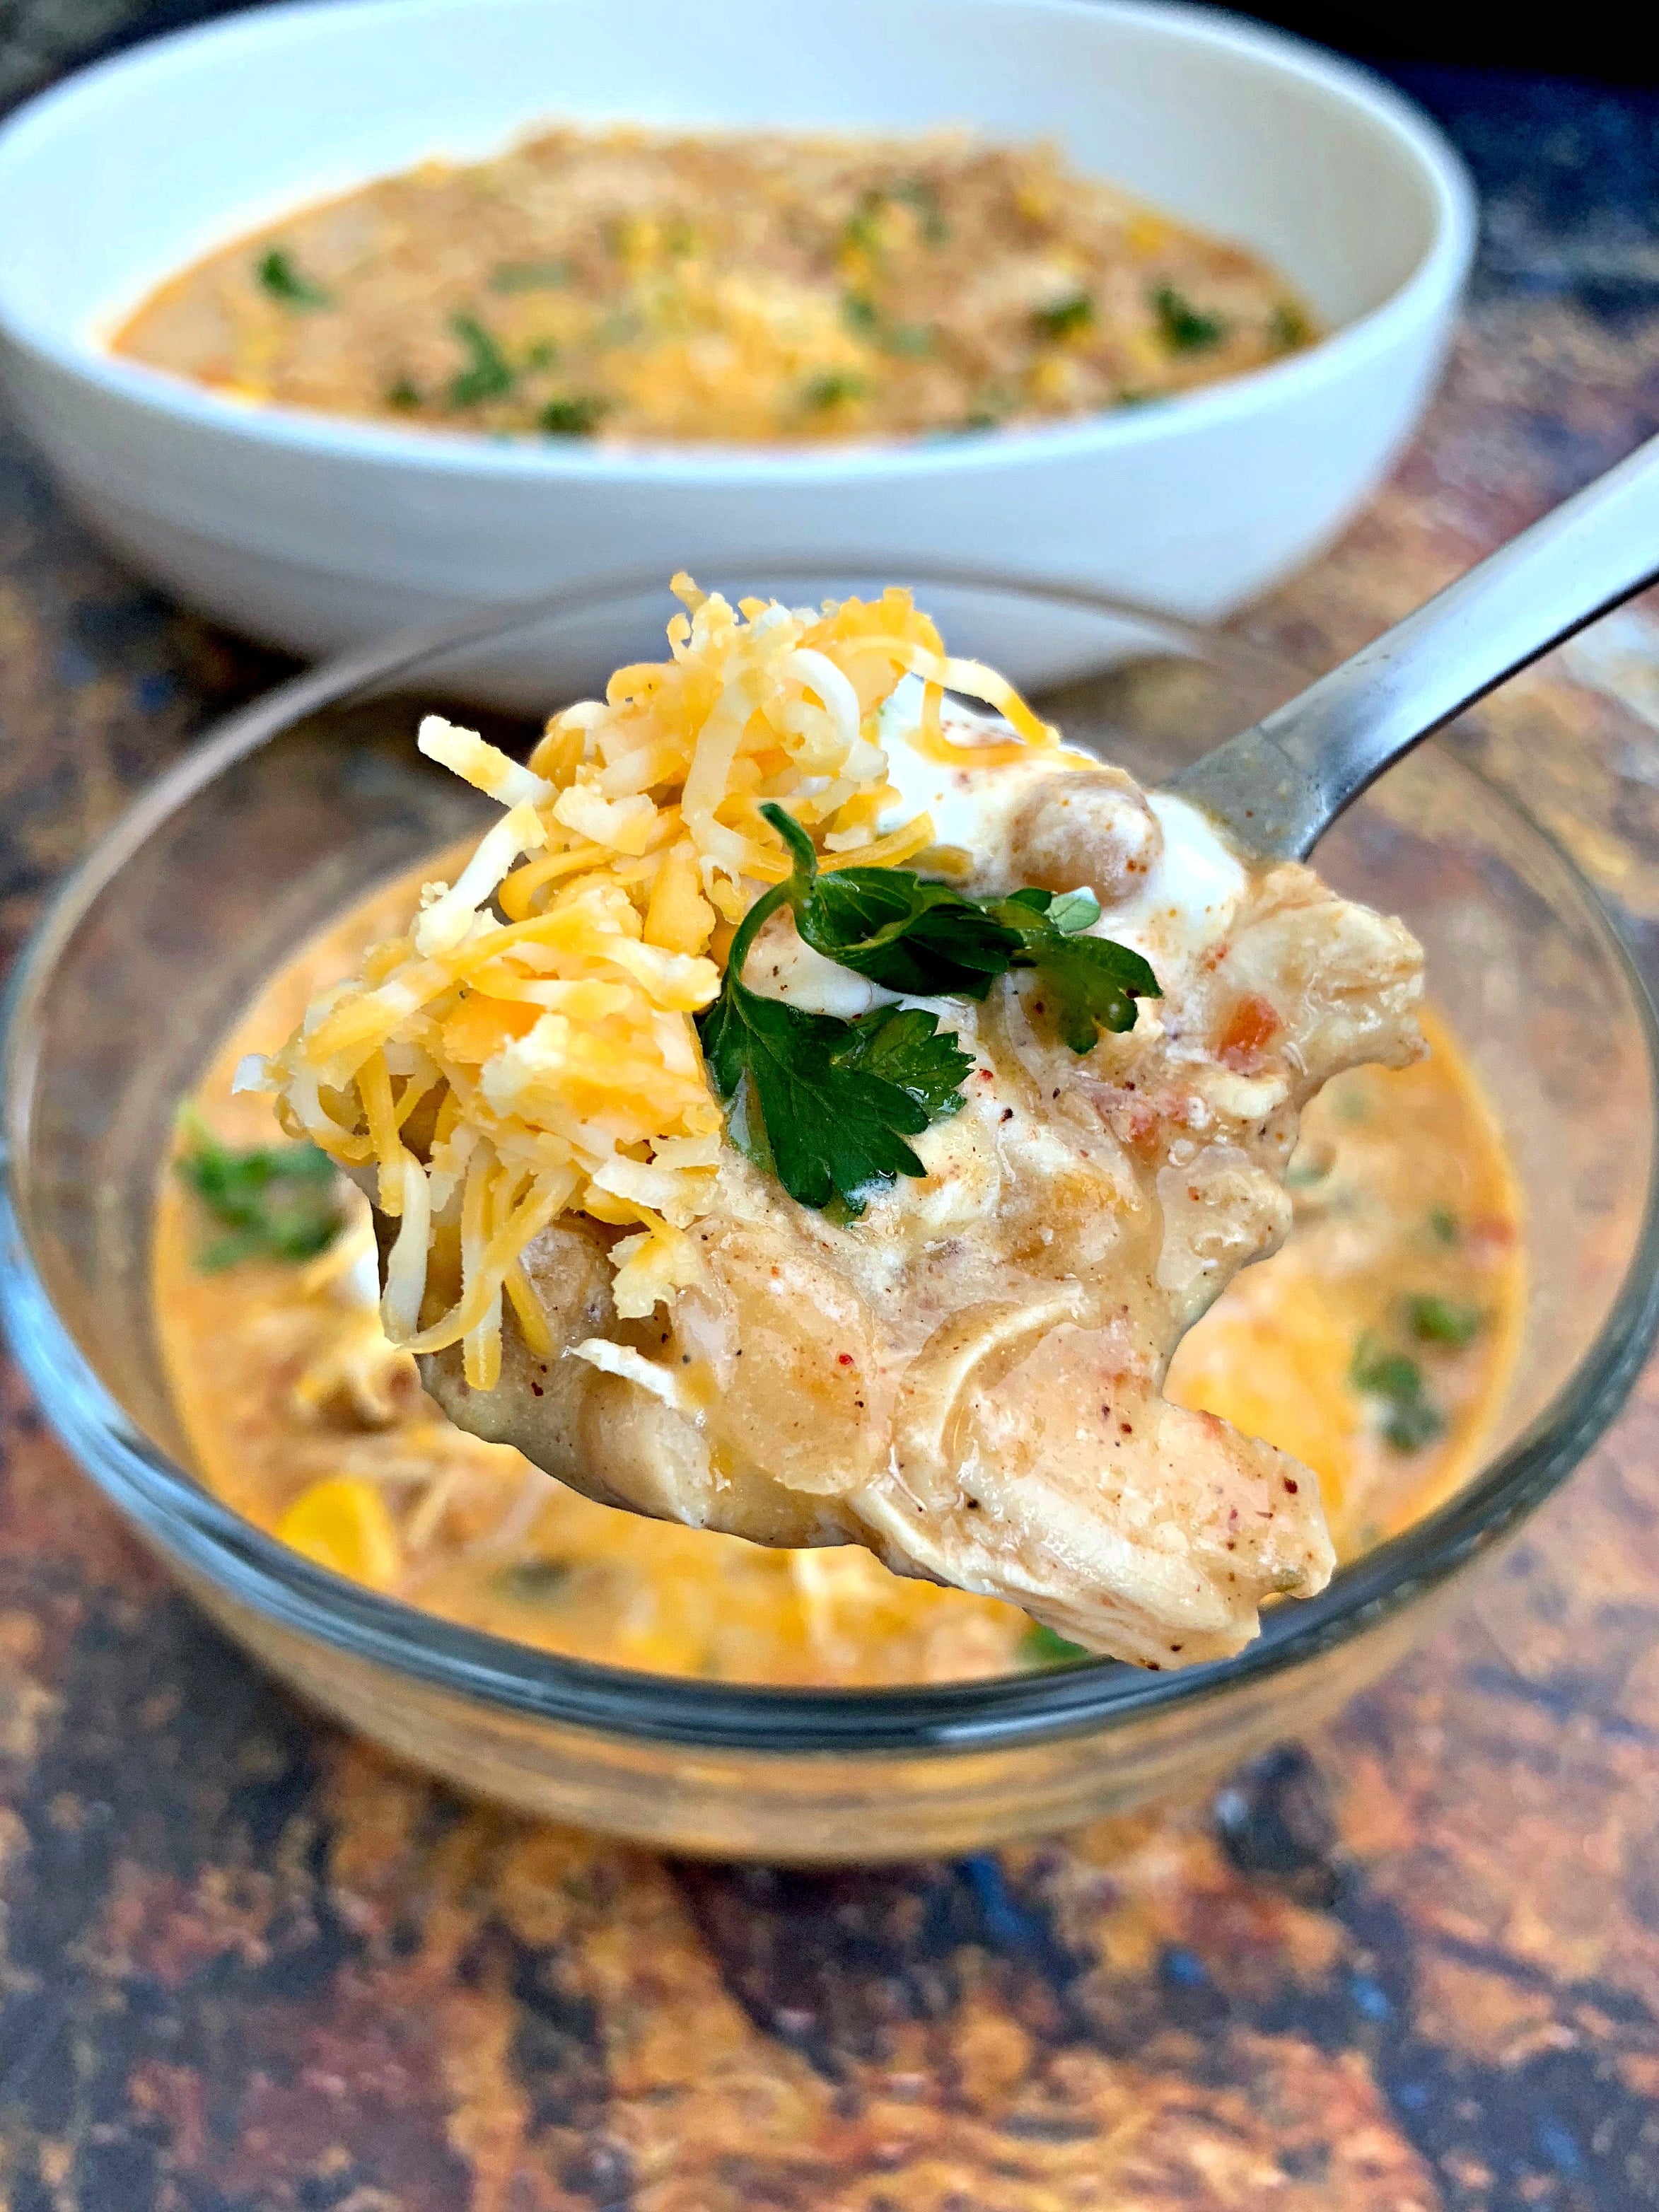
x=211, y=1542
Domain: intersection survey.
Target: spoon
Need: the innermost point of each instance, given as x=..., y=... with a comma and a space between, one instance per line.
x=1276, y=786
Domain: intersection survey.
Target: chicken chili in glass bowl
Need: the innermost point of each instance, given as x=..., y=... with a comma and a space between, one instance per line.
x=1464, y=1295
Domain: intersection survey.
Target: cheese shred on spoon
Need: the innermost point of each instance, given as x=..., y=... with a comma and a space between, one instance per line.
x=818, y=1107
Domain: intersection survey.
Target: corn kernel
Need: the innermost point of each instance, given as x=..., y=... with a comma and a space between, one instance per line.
x=344, y=1525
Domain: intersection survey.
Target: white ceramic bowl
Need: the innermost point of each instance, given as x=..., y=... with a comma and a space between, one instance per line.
x=313, y=533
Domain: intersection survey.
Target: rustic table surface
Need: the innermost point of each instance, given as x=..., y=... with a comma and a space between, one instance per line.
x=1412, y=1962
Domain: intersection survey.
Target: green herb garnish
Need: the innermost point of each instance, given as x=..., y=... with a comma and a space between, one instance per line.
x=1043, y=1646
x=1444, y=1225
x=530, y=276
x=863, y=225
x=1065, y=316
x=1088, y=983
x=278, y=275
x=1287, y=328
x=920, y=196
x=906, y=341
x=800, y=1084
x=1444, y=1321
x=404, y=396
x=575, y=416
x=1183, y=328
x=488, y=374
x=833, y=389
x=927, y=941
x=276, y=1202
x=825, y=1105
x=1410, y=1418
x=534, y=1581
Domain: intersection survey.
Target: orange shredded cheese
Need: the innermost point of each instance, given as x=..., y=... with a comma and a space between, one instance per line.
x=547, y=996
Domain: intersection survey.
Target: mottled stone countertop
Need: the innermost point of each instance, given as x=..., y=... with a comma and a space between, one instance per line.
x=1412, y=1962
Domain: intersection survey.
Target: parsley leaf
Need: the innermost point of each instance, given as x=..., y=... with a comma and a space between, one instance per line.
x=825, y=1105
x=928, y=941
x=905, y=1045
x=276, y=1202
x=278, y=275
x=902, y=932
x=488, y=374
x=825, y=1129
x=1088, y=983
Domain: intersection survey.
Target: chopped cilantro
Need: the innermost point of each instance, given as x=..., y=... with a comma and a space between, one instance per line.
x=1043, y=1646
x=860, y=313
x=279, y=277
x=1183, y=327
x=530, y=276
x=1408, y=1423
x=1065, y=316
x=1444, y=1225
x=920, y=196
x=488, y=374
x=1444, y=1321
x=543, y=354
x=1410, y=1419
x=1385, y=1374
x=534, y=1581
x=833, y=389
x=575, y=416
x=1287, y=327
x=404, y=396
x=276, y=1202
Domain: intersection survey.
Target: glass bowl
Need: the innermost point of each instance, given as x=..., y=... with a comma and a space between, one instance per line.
x=298, y=806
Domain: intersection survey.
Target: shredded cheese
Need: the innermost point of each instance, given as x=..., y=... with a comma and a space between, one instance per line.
x=528, y=1048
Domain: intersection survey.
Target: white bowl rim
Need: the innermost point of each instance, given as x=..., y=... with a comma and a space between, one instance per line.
x=1436, y=279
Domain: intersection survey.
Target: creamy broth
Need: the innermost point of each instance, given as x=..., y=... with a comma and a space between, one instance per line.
x=1375, y=1346
x=745, y=287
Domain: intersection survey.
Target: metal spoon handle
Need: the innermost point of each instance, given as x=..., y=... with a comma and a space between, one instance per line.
x=1279, y=786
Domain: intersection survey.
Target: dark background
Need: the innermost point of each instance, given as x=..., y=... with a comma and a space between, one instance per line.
x=1616, y=44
